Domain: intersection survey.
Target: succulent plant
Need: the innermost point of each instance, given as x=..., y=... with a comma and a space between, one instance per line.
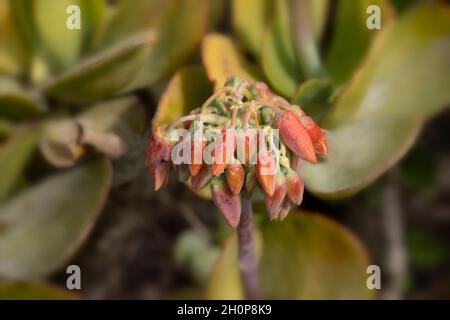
x=73, y=123
x=72, y=94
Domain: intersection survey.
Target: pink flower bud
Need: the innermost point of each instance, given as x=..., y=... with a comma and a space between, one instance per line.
x=228, y=203
x=273, y=203
x=235, y=177
x=158, y=157
x=295, y=187
x=316, y=134
x=201, y=180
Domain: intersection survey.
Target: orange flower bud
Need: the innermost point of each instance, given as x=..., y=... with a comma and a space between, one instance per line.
x=266, y=173
x=273, y=203
x=235, y=177
x=294, y=135
x=225, y=147
x=197, y=148
x=295, y=187
x=228, y=203
x=316, y=134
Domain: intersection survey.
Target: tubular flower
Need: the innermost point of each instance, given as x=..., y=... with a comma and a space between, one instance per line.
x=282, y=137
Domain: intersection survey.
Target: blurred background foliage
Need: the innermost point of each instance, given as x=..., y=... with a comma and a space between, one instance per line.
x=76, y=108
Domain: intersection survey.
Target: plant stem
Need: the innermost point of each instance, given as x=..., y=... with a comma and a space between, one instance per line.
x=248, y=263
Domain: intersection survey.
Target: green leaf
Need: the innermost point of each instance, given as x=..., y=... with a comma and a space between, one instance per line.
x=314, y=97
x=16, y=103
x=13, y=55
x=187, y=90
x=103, y=74
x=250, y=19
x=222, y=59
x=62, y=44
x=305, y=38
x=307, y=256
x=351, y=37
x=360, y=152
x=14, y=155
x=379, y=114
x=179, y=34
x=33, y=291
x=47, y=224
x=392, y=80
x=278, y=52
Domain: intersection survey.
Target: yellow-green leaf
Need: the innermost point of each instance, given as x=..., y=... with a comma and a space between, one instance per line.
x=187, y=90
x=307, y=256
x=33, y=291
x=250, y=19
x=46, y=224
x=278, y=52
x=103, y=74
x=14, y=155
x=351, y=37
x=179, y=33
x=222, y=59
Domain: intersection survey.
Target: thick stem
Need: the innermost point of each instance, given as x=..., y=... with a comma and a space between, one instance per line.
x=248, y=263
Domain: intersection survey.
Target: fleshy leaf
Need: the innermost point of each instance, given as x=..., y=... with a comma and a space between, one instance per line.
x=307, y=256
x=46, y=224
x=314, y=97
x=406, y=72
x=14, y=154
x=379, y=114
x=278, y=52
x=12, y=54
x=187, y=90
x=103, y=74
x=179, y=33
x=16, y=103
x=250, y=19
x=359, y=152
x=222, y=59
x=351, y=37
x=33, y=291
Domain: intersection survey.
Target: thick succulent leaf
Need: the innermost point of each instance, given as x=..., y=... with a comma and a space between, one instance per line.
x=351, y=37
x=102, y=75
x=187, y=90
x=12, y=49
x=33, y=291
x=305, y=41
x=222, y=59
x=359, y=152
x=46, y=224
x=278, y=53
x=147, y=15
x=250, y=19
x=94, y=13
x=14, y=155
x=62, y=44
x=307, y=256
x=379, y=114
x=406, y=72
x=16, y=103
x=314, y=97
x=179, y=33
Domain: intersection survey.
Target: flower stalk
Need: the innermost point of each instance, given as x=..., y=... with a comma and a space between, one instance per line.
x=248, y=262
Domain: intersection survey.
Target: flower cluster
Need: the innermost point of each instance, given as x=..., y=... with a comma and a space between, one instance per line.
x=242, y=138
